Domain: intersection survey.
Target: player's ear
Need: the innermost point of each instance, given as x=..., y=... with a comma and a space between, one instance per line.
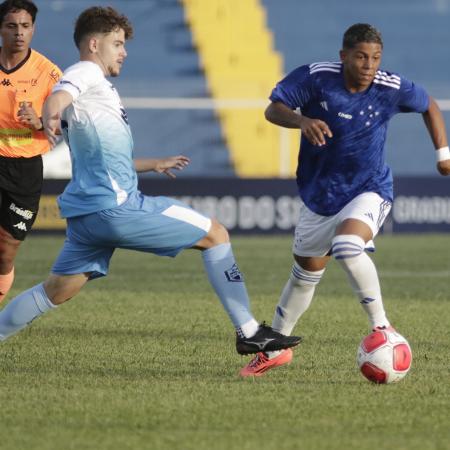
x=342, y=55
x=93, y=44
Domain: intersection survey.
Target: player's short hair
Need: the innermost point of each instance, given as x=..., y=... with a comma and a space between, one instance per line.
x=361, y=32
x=99, y=19
x=15, y=5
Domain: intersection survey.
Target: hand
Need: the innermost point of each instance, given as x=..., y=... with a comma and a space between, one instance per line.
x=27, y=116
x=315, y=130
x=174, y=162
x=443, y=167
x=52, y=130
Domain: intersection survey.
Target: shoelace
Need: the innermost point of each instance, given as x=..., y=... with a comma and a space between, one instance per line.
x=258, y=360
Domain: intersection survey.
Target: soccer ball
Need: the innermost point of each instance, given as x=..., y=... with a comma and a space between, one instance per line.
x=384, y=356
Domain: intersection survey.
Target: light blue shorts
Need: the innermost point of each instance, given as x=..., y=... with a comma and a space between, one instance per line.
x=158, y=225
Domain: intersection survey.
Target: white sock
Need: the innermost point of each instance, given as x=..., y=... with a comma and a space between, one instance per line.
x=294, y=301
x=23, y=309
x=348, y=250
x=248, y=329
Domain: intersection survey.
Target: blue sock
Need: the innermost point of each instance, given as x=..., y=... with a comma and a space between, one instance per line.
x=22, y=310
x=228, y=282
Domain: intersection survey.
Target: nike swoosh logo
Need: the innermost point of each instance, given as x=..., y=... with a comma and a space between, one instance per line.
x=261, y=345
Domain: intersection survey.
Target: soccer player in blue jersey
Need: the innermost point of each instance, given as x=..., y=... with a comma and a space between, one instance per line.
x=102, y=205
x=344, y=183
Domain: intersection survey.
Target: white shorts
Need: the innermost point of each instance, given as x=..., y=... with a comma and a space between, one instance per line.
x=313, y=233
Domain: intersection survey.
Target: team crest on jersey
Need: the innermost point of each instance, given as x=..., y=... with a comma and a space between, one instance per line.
x=54, y=75
x=123, y=113
x=234, y=274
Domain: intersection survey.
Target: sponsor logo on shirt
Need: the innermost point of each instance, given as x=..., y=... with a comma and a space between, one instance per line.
x=54, y=75
x=33, y=82
x=345, y=115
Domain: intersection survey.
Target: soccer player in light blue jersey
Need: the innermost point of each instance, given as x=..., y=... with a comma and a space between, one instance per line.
x=344, y=183
x=102, y=205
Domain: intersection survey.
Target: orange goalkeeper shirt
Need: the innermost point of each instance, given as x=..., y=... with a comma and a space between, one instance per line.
x=31, y=81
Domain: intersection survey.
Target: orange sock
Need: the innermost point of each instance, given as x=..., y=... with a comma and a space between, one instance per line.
x=6, y=282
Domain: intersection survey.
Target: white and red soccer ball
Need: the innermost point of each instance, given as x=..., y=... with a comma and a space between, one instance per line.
x=384, y=356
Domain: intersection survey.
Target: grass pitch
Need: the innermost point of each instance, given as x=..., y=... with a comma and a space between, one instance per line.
x=145, y=359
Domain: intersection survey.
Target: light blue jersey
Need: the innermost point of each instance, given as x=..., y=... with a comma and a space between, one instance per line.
x=103, y=208
x=96, y=129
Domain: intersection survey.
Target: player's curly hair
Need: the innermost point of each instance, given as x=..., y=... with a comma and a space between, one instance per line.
x=99, y=19
x=15, y=5
x=361, y=32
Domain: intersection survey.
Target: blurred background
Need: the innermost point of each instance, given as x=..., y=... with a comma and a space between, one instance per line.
x=199, y=72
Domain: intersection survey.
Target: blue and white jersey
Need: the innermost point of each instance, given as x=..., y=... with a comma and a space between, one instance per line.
x=96, y=129
x=353, y=160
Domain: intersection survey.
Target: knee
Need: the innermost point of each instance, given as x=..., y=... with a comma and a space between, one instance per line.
x=346, y=246
x=218, y=234
x=302, y=277
x=59, y=289
x=8, y=251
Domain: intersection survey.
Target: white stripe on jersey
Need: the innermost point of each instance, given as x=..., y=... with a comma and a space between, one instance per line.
x=325, y=67
x=325, y=63
x=121, y=195
x=385, y=75
x=189, y=216
x=385, y=79
x=385, y=83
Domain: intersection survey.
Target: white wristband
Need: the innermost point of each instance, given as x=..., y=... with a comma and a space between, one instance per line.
x=442, y=154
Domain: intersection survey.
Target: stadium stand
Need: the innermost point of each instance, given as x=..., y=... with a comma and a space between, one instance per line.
x=161, y=63
x=240, y=62
x=415, y=36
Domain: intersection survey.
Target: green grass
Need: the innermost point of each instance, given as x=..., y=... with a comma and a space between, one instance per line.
x=144, y=358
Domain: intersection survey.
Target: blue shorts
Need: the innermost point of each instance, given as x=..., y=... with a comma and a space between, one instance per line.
x=158, y=225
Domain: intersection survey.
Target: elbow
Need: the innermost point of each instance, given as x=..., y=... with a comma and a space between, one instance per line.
x=268, y=113
x=432, y=106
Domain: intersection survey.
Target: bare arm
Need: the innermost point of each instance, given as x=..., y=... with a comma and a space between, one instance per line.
x=162, y=165
x=314, y=130
x=55, y=104
x=435, y=124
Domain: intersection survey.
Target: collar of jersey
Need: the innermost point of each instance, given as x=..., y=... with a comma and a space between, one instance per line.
x=24, y=60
